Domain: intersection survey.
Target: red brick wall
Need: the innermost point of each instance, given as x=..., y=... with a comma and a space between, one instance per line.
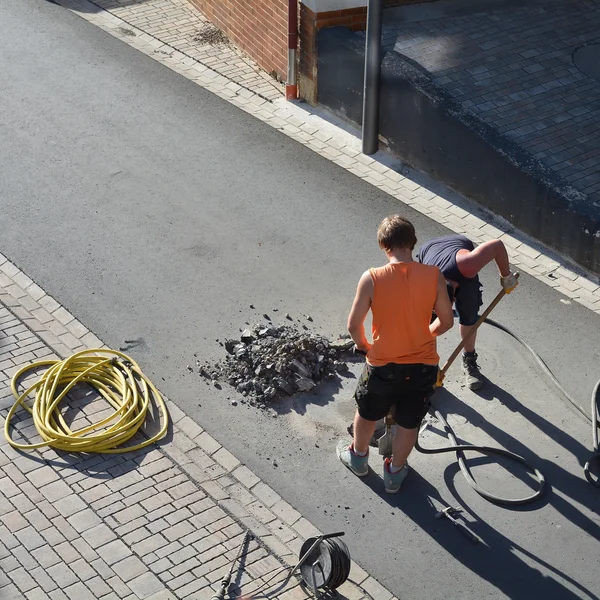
x=258, y=27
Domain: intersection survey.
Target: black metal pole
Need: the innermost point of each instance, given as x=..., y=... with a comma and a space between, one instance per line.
x=370, y=124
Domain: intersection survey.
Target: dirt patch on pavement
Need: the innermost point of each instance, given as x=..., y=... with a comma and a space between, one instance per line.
x=209, y=34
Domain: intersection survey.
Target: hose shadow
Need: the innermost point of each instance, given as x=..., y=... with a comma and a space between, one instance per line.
x=492, y=559
x=568, y=484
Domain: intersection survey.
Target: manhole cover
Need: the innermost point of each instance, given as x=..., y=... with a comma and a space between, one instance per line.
x=587, y=60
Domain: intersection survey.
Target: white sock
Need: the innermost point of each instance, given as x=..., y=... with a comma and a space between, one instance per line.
x=394, y=470
x=358, y=453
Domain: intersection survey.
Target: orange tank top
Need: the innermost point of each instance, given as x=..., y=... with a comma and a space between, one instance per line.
x=403, y=299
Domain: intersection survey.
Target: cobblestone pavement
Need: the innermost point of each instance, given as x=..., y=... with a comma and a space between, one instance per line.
x=513, y=68
x=183, y=28
x=341, y=145
x=159, y=523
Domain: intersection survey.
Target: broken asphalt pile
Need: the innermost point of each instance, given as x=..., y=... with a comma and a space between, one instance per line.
x=270, y=361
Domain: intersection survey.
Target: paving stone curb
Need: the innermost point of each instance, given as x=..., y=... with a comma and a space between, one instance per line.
x=338, y=143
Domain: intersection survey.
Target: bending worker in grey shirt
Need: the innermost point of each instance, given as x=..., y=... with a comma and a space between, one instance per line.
x=460, y=261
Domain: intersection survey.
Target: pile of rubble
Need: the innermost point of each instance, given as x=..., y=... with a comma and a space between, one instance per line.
x=269, y=361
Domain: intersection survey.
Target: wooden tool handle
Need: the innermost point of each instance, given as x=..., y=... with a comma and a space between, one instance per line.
x=458, y=348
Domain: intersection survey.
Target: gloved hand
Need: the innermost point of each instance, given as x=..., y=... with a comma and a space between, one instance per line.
x=510, y=282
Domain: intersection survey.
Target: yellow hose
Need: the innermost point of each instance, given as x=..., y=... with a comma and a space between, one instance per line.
x=115, y=376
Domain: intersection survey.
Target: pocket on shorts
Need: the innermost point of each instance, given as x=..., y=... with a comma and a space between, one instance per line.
x=427, y=379
x=362, y=387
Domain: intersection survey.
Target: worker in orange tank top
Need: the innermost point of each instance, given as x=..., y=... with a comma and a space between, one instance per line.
x=402, y=360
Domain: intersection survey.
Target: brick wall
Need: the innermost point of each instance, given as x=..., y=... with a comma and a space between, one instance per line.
x=258, y=27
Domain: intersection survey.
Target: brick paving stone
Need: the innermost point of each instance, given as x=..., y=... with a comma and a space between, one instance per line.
x=42, y=579
x=98, y=587
x=62, y=575
x=190, y=427
x=245, y=476
x=113, y=552
x=8, y=563
x=36, y=594
x=82, y=569
x=46, y=556
x=38, y=521
x=152, y=543
x=266, y=495
x=129, y=568
x=30, y=538
x=288, y=514
x=14, y=521
x=24, y=557
x=78, y=591
x=186, y=488
x=22, y=579
x=99, y=535
x=145, y=585
x=70, y=505
x=67, y=552
x=119, y=586
x=56, y=490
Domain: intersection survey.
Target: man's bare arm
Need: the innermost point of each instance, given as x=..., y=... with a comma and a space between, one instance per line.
x=443, y=309
x=470, y=263
x=360, y=309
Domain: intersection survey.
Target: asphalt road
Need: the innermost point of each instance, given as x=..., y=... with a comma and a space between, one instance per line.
x=155, y=211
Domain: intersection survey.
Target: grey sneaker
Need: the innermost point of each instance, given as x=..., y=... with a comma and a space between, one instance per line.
x=473, y=376
x=393, y=481
x=359, y=465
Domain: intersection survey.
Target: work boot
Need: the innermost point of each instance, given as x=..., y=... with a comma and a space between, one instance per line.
x=393, y=481
x=359, y=465
x=473, y=376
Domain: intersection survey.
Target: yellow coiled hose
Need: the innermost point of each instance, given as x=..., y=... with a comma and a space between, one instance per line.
x=115, y=376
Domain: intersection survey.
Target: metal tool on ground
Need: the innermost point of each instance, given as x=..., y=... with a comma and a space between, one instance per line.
x=450, y=512
x=324, y=565
x=385, y=442
x=220, y=595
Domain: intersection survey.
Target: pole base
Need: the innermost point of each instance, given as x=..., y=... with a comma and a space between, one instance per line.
x=291, y=92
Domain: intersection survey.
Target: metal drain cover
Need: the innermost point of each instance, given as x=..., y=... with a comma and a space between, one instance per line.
x=587, y=60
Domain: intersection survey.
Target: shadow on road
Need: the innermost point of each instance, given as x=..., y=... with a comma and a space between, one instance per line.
x=498, y=559
x=495, y=560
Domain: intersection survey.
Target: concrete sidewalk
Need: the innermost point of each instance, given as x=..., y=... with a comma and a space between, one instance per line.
x=163, y=522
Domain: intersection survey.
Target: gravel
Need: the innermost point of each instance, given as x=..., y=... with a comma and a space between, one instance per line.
x=269, y=362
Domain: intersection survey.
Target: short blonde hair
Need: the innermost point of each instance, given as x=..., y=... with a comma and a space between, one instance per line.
x=396, y=232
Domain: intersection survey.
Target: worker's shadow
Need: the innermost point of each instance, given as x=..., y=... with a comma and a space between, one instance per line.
x=496, y=559
x=573, y=486
x=525, y=580
x=322, y=395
